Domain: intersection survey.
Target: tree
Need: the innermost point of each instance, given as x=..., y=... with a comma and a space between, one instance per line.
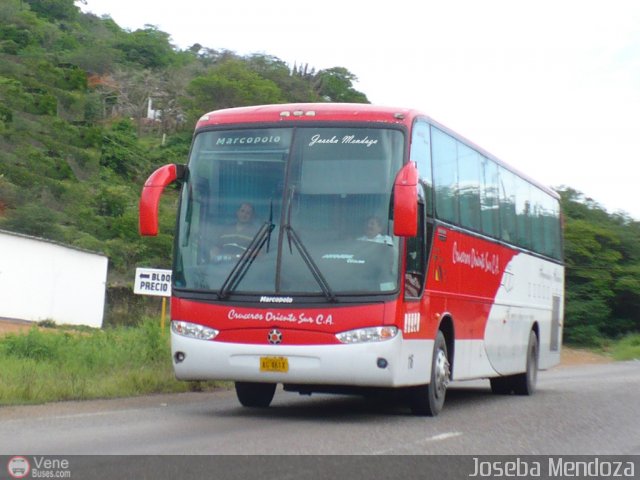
x=134, y=89
x=120, y=150
x=296, y=85
x=602, y=253
x=167, y=99
x=231, y=84
x=55, y=9
x=96, y=50
x=336, y=85
x=148, y=47
x=590, y=254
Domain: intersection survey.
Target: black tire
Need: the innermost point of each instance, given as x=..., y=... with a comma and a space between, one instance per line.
x=255, y=395
x=501, y=385
x=429, y=399
x=525, y=383
x=521, y=383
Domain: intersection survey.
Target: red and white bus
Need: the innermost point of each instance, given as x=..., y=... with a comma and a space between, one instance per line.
x=346, y=247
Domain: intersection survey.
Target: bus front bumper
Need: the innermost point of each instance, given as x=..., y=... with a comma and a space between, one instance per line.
x=390, y=363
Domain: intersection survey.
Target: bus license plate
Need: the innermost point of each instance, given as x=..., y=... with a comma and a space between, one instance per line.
x=274, y=364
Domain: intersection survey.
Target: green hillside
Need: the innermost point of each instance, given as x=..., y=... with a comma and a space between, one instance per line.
x=77, y=141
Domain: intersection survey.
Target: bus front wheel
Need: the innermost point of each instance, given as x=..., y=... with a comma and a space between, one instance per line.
x=429, y=399
x=256, y=395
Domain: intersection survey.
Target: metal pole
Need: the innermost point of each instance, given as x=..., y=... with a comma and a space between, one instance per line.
x=164, y=312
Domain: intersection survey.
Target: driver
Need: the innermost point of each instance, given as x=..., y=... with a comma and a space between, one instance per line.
x=235, y=239
x=373, y=232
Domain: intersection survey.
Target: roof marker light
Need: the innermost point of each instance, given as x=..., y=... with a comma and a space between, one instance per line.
x=285, y=114
x=298, y=113
x=398, y=116
x=310, y=113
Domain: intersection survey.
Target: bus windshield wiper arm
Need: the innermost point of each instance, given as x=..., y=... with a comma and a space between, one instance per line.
x=241, y=267
x=308, y=260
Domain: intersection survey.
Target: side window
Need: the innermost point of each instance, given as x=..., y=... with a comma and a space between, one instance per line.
x=417, y=253
x=549, y=219
x=469, y=187
x=421, y=149
x=552, y=229
x=524, y=213
x=508, y=231
x=537, y=220
x=445, y=175
x=489, y=198
x=421, y=154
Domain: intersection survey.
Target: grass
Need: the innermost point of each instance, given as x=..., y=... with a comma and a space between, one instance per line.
x=58, y=364
x=627, y=348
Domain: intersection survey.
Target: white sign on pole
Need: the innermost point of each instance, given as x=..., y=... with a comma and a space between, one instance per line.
x=152, y=281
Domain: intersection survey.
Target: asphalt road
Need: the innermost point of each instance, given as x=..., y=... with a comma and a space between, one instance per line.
x=589, y=409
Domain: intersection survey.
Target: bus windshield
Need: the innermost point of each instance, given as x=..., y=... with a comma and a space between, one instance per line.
x=289, y=211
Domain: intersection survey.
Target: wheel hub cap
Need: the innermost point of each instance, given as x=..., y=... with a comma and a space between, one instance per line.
x=443, y=373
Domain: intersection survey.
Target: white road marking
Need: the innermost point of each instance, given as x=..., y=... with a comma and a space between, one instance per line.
x=444, y=436
x=435, y=438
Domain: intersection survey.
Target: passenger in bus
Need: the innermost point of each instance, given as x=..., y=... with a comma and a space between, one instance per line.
x=235, y=239
x=376, y=256
x=373, y=231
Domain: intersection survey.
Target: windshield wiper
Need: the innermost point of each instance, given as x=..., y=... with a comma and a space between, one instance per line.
x=308, y=260
x=239, y=270
x=304, y=253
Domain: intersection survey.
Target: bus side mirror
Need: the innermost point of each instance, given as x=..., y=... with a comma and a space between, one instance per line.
x=405, y=202
x=150, y=198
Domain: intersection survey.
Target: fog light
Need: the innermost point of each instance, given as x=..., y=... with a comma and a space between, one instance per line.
x=382, y=363
x=179, y=357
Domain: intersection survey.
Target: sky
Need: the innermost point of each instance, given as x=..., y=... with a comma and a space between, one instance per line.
x=551, y=87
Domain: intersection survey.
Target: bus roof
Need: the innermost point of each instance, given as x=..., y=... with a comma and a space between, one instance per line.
x=342, y=112
x=346, y=112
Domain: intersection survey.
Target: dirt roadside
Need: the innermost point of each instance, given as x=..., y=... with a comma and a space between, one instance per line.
x=570, y=356
x=13, y=326
x=574, y=356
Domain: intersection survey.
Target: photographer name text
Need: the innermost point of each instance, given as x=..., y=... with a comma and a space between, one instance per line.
x=555, y=467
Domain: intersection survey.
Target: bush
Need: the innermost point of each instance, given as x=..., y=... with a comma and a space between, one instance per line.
x=35, y=346
x=584, y=336
x=34, y=220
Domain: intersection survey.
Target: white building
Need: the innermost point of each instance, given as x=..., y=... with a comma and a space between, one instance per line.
x=43, y=280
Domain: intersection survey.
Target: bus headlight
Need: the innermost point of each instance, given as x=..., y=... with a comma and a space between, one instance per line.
x=372, y=334
x=193, y=330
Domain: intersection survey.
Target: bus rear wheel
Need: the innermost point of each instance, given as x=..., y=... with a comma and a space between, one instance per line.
x=429, y=399
x=521, y=383
x=525, y=383
x=255, y=395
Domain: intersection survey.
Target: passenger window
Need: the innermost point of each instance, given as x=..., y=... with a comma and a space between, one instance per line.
x=508, y=231
x=524, y=213
x=489, y=198
x=469, y=187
